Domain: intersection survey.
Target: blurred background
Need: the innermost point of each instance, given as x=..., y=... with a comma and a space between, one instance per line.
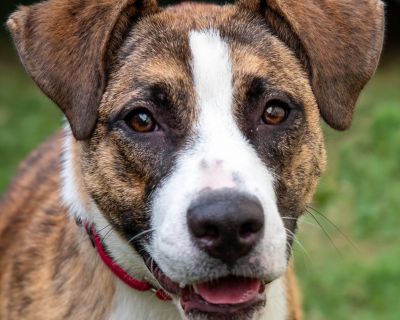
x=347, y=253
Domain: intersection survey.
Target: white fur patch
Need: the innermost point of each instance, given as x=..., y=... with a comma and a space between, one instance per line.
x=219, y=157
x=69, y=177
x=129, y=304
x=276, y=308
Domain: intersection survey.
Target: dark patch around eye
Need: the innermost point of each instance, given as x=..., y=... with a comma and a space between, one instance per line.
x=150, y=96
x=160, y=95
x=257, y=88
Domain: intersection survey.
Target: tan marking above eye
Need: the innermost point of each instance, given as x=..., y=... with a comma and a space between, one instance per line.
x=141, y=121
x=274, y=113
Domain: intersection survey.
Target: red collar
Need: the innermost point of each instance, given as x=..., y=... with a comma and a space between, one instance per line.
x=117, y=270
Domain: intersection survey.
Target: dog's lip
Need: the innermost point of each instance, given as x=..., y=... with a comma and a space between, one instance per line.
x=192, y=301
x=194, y=297
x=166, y=282
x=195, y=301
x=228, y=290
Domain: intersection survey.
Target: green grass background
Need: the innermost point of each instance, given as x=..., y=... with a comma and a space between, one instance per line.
x=355, y=274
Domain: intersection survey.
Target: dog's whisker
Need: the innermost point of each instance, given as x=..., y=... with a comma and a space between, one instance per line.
x=141, y=234
x=108, y=233
x=304, y=222
x=107, y=226
x=325, y=218
x=326, y=233
x=301, y=221
x=293, y=237
x=342, y=233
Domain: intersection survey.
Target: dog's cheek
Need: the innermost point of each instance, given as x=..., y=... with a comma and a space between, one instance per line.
x=119, y=185
x=299, y=178
x=122, y=203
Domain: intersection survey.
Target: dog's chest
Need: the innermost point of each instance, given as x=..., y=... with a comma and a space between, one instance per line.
x=129, y=304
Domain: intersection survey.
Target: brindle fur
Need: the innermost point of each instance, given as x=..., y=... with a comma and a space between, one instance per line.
x=49, y=269
x=46, y=262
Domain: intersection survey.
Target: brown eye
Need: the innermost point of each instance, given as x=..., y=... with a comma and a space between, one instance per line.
x=275, y=113
x=141, y=121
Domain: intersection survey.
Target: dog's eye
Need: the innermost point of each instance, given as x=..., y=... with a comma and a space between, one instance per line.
x=141, y=121
x=275, y=112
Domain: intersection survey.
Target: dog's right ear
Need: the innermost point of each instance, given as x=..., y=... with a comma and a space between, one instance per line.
x=65, y=44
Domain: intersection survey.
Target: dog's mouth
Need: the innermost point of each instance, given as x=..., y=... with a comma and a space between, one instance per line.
x=224, y=296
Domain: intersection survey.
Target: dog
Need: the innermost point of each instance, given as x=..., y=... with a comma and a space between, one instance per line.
x=192, y=146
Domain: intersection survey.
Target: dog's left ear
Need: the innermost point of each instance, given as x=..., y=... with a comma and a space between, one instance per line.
x=66, y=47
x=339, y=42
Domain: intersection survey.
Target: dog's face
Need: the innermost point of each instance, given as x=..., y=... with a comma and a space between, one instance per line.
x=206, y=144
x=212, y=143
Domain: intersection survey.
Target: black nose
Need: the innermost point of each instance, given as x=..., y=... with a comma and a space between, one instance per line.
x=226, y=224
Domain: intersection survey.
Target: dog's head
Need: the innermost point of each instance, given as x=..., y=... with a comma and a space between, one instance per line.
x=197, y=127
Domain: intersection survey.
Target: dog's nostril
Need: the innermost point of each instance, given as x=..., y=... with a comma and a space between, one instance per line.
x=226, y=224
x=209, y=232
x=249, y=228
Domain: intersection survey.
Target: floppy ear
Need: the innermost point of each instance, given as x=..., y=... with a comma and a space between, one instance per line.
x=65, y=44
x=339, y=42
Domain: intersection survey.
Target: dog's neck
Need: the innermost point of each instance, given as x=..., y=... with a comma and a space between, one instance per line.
x=127, y=302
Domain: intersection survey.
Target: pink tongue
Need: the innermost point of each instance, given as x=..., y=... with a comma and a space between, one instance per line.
x=229, y=290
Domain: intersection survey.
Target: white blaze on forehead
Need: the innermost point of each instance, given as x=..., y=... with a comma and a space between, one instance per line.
x=212, y=75
x=217, y=129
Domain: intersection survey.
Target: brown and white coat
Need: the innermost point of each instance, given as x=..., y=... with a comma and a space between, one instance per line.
x=205, y=75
